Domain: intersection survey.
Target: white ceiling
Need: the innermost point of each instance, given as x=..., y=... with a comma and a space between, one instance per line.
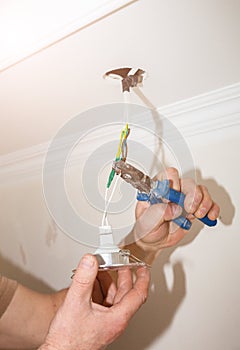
x=28, y=26
x=187, y=47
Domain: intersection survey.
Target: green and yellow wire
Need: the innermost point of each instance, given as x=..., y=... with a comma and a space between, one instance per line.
x=121, y=152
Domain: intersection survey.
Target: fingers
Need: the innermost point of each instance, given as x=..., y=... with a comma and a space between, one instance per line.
x=193, y=195
x=214, y=212
x=205, y=203
x=97, y=295
x=140, y=208
x=150, y=219
x=207, y=206
x=136, y=296
x=155, y=216
x=141, y=284
x=124, y=283
x=173, y=176
x=107, y=287
x=81, y=289
x=198, y=200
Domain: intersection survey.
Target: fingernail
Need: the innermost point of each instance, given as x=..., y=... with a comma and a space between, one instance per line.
x=87, y=262
x=213, y=215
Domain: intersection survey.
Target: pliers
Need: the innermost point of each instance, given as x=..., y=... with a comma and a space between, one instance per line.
x=154, y=191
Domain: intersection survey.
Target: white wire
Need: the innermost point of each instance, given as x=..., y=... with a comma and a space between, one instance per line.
x=104, y=218
x=126, y=99
x=107, y=202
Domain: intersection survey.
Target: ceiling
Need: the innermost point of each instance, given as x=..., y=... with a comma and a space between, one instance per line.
x=187, y=48
x=28, y=26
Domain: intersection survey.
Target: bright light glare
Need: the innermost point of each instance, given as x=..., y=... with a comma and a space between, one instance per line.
x=27, y=26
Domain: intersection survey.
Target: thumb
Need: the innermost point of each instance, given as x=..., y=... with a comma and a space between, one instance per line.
x=83, y=280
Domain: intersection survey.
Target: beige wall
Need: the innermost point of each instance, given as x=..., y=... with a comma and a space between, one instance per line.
x=195, y=288
x=194, y=302
x=188, y=48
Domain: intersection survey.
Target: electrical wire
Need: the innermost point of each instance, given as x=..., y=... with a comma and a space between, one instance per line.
x=107, y=202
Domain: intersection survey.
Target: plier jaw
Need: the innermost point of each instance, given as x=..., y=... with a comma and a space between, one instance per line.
x=155, y=191
x=133, y=176
x=148, y=189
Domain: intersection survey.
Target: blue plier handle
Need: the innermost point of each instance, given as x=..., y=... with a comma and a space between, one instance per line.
x=161, y=190
x=155, y=191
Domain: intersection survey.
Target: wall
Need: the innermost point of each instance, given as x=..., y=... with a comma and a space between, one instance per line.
x=193, y=301
x=191, y=52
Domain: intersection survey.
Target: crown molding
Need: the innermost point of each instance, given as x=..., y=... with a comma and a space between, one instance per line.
x=217, y=109
x=206, y=113
x=211, y=98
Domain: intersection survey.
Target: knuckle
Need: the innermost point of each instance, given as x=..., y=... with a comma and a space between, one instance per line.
x=204, y=188
x=193, y=200
x=82, y=282
x=142, y=296
x=206, y=203
x=144, y=299
x=215, y=211
x=205, y=192
x=188, y=186
x=172, y=171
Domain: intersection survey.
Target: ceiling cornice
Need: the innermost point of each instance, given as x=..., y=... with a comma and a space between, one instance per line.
x=219, y=109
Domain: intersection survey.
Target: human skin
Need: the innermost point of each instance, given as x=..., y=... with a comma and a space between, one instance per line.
x=82, y=324
x=154, y=229
x=27, y=319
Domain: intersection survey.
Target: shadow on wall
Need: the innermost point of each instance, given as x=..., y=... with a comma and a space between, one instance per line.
x=163, y=303
x=154, y=318
x=220, y=196
x=12, y=271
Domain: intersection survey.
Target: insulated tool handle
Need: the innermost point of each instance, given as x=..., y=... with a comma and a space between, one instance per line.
x=162, y=190
x=179, y=197
x=153, y=191
x=180, y=220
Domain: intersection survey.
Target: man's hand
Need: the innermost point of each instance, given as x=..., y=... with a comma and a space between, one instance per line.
x=154, y=228
x=82, y=324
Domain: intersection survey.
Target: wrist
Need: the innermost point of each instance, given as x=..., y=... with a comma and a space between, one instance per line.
x=145, y=251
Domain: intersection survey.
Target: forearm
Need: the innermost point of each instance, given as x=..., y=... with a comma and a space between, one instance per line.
x=26, y=321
